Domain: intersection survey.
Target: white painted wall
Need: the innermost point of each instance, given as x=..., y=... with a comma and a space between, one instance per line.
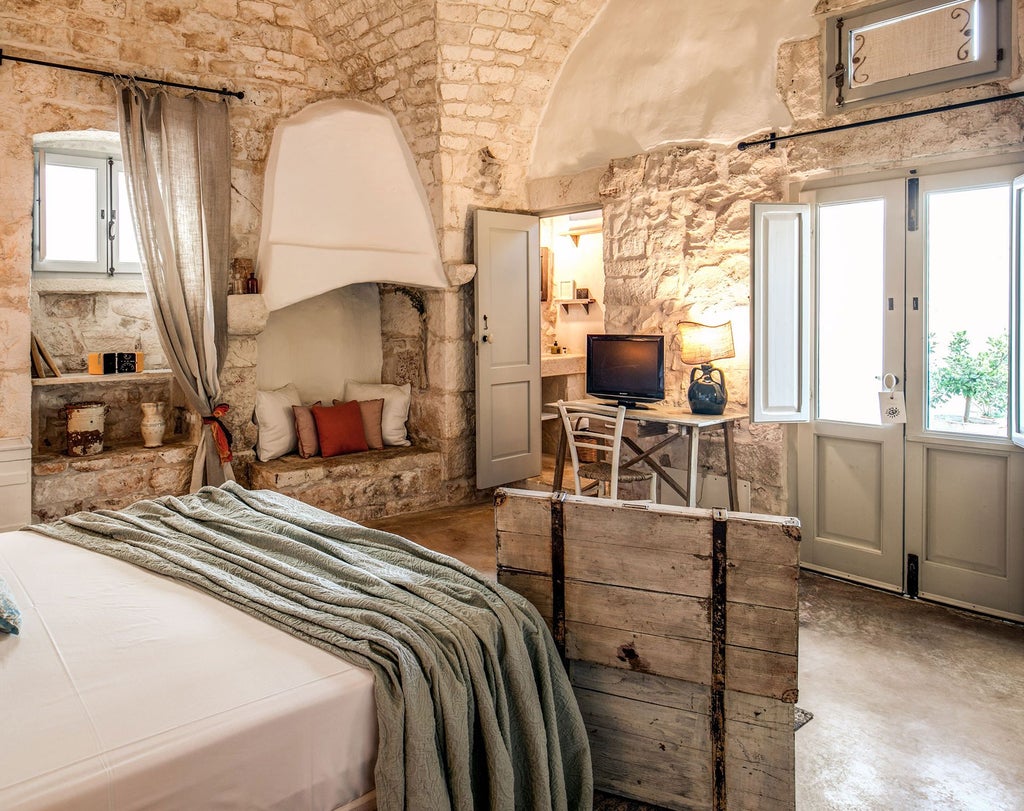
x=664, y=71
x=343, y=203
x=583, y=264
x=319, y=343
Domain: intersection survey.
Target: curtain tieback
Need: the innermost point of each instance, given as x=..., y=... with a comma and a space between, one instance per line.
x=221, y=435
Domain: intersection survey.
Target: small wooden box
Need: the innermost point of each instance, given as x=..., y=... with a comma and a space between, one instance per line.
x=679, y=627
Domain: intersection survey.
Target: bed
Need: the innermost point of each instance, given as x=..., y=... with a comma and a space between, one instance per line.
x=130, y=688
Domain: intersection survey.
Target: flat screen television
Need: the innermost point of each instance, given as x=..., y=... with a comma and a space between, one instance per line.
x=627, y=369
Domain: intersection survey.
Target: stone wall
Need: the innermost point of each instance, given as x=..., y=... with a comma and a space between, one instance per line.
x=466, y=82
x=677, y=222
x=72, y=323
x=266, y=49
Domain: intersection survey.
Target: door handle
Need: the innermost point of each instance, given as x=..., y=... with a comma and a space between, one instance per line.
x=890, y=381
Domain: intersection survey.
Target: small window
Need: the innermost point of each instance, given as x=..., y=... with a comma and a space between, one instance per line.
x=82, y=222
x=898, y=51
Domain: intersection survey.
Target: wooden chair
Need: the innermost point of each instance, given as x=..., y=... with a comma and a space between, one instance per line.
x=598, y=428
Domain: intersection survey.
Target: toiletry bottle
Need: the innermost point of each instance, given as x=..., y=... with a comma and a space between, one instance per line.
x=555, y=350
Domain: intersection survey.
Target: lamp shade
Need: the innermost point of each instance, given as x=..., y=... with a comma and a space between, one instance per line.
x=700, y=343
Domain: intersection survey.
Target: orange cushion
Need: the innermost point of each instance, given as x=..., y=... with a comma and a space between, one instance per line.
x=305, y=431
x=339, y=428
x=372, y=410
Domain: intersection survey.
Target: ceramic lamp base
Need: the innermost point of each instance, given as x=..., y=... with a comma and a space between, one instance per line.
x=707, y=395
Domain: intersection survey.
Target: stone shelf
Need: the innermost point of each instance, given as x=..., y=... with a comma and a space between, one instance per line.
x=583, y=302
x=151, y=376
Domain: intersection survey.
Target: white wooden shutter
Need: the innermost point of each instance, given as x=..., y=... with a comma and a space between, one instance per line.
x=780, y=252
x=1017, y=315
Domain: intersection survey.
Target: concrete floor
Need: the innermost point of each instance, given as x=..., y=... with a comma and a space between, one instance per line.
x=916, y=707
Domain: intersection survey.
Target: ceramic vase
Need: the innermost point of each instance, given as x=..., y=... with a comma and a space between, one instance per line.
x=153, y=424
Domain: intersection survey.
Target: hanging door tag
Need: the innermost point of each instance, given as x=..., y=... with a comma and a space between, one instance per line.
x=892, y=407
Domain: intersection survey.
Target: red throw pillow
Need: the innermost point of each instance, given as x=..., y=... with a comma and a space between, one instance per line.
x=372, y=410
x=340, y=428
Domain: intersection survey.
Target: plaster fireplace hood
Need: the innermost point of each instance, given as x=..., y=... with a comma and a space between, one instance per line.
x=343, y=204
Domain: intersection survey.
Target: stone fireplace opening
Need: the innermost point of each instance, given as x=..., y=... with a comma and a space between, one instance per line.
x=319, y=343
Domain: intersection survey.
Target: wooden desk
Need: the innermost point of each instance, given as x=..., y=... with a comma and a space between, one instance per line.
x=689, y=426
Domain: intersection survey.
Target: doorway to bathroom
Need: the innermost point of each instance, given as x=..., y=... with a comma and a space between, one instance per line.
x=572, y=305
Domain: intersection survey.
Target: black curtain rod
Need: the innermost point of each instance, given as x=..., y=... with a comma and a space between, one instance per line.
x=238, y=94
x=773, y=139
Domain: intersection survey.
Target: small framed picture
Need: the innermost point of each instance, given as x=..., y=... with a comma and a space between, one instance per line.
x=583, y=292
x=567, y=289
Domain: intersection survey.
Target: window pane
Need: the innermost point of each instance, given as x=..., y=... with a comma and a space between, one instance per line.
x=850, y=293
x=127, y=244
x=70, y=214
x=967, y=304
x=913, y=43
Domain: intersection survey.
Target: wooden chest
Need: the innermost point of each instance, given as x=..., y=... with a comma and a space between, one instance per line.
x=679, y=627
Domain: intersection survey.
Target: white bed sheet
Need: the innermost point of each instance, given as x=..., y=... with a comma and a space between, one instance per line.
x=126, y=690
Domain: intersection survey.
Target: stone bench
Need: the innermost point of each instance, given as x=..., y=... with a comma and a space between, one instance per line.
x=110, y=480
x=357, y=486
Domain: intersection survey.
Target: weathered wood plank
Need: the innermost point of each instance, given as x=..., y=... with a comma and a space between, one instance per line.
x=651, y=768
x=758, y=672
x=762, y=628
x=686, y=659
x=522, y=511
x=765, y=542
x=761, y=756
x=665, y=725
x=763, y=584
x=683, y=533
x=682, y=695
x=638, y=637
x=534, y=587
x=527, y=552
x=748, y=626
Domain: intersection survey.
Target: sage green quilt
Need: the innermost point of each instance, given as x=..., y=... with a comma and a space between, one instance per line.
x=474, y=708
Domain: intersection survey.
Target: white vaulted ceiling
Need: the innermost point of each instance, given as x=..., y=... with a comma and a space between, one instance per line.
x=667, y=71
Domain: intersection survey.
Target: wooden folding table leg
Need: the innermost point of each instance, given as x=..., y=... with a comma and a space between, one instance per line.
x=730, y=465
x=693, y=433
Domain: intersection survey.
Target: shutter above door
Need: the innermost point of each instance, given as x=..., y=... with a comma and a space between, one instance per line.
x=780, y=312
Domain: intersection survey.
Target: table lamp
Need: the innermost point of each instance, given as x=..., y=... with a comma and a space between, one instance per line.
x=699, y=344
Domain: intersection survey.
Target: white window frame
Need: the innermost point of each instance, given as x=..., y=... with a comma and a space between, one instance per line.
x=1017, y=315
x=995, y=56
x=109, y=209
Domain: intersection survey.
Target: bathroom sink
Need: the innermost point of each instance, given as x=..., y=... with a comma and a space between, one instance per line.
x=569, y=364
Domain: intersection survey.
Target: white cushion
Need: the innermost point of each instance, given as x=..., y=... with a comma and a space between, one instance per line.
x=396, y=407
x=276, y=422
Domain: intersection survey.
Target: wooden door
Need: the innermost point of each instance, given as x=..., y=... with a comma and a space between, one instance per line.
x=507, y=333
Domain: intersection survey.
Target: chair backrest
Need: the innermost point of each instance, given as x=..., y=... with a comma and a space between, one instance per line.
x=596, y=427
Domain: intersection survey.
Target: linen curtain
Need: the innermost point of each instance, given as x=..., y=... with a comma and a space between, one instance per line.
x=177, y=161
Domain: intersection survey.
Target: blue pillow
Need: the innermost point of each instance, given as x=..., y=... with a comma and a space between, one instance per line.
x=10, y=616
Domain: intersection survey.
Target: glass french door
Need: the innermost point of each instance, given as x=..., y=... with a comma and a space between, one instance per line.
x=850, y=465
x=911, y=291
